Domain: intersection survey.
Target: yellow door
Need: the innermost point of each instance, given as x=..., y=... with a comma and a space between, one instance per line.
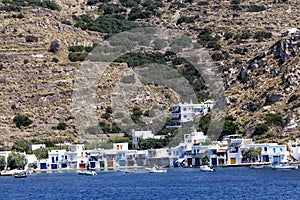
x=232, y=160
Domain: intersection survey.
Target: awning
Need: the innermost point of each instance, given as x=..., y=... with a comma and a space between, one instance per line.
x=221, y=151
x=235, y=144
x=180, y=160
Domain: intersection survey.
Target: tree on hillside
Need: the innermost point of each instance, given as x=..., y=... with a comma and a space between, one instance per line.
x=22, y=120
x=21, y=146
x=15, y=160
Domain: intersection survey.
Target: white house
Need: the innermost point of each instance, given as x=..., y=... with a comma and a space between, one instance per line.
x=187, y=112
x=234, y=151
x=137, y=135
x=55, y=158
x=37, y=146
x=195, y=137
x=295, y=152
x=271, y=152
x=176, y=155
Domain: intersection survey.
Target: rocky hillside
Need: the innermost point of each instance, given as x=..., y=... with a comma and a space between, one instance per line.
x=255, y=44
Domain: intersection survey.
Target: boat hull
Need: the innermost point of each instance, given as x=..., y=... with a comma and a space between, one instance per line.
x=87, y=173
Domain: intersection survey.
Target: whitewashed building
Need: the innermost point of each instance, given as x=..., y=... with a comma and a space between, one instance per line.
x=187, y=112
x=234, y=151
x=271, y=152
x=195, y=137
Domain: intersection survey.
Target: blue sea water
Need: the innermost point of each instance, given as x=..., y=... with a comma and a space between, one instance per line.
x=177, y=183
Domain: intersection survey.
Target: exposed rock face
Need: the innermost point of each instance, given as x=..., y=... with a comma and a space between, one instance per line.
x=33, y=84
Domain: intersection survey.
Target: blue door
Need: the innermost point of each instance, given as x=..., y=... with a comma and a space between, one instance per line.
x=214, y=161
x=92, y=164
x=276, y=159
x=53, y=166
x=43, y=166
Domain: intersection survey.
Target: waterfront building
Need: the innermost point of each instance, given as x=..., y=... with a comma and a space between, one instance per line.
x=159, y=157
x=271, y=152
x=176, y=155
x=235, y=148
x=55, y=158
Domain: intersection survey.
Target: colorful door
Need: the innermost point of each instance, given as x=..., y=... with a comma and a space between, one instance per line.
x=232, y=160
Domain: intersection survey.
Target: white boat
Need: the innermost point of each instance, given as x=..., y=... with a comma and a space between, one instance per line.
x=257, y=166
x=7, y=173
x=156, y=170
x=20, y=175
x=87, y=173
x=206, y=168
x=284, y=166
x=130, y=170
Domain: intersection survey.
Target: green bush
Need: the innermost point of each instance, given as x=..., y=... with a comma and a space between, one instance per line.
x=185, y=19
x=105, y=24
x=18, y=5
x=294, y=97
x=21, y=146
x=203, y=3
x=78, y=56
x=273, y=119
x=62, y=126
x=22, y=120
x=1, y=66
x=54, y=46
x=260, y=35
x=41, y=153
x=111, y=9
x=245, y=35
x=105, y=116
x=76, y=48
x=31, y=38
x=261, y=129
x=256, y=8
x=217, y=56
x=66, y=22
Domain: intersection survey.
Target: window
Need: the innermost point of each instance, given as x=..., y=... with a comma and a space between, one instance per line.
x=184, y=109
x=265, y=149
x=280, y=149
x=184, y=116
x=274, y=150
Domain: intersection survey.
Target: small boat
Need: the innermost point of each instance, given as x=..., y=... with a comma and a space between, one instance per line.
x=20, y=175
x=257, y=166
x=130, y=170
x=7, y=173
x=284, y=166
x=87, y=173
x=206, y=168
x=156, y=169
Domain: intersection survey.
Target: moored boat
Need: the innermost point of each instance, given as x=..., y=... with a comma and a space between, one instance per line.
x=155, y=169
x=20, y=175
x=87, y=173
x=206, y=168
x=284, y=166
x=257, y=166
